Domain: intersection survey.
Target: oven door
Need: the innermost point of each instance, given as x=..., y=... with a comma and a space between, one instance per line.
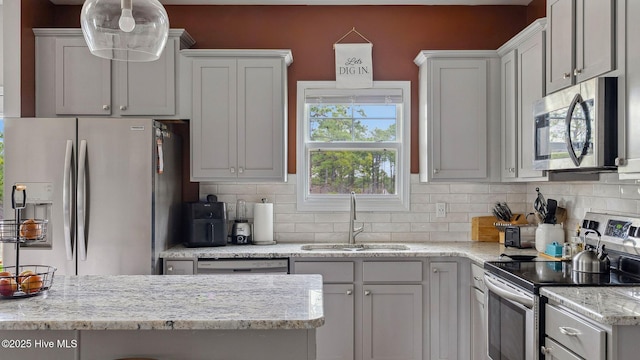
x=511, y=321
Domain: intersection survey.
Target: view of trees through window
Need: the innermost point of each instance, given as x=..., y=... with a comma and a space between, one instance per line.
x=357, y=166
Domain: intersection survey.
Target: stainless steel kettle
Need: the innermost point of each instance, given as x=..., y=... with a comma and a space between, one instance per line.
x=592, y=260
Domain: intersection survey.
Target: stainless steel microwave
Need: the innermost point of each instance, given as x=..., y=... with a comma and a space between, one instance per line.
x=576, y=128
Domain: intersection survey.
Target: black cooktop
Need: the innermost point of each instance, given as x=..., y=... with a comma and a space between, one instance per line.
x=531, y=275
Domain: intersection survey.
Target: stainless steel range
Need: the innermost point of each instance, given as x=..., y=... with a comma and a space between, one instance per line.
x=513, y=301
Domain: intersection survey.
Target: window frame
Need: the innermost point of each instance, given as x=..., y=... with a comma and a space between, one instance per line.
x=366, y=202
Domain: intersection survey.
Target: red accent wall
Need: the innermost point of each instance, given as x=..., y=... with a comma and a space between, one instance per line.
x=34, y=13
x=536, y=9
x=397, y=32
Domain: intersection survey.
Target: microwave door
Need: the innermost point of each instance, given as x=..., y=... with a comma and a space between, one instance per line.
x=578, y=130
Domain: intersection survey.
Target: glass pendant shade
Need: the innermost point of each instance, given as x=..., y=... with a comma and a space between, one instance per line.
x=125, y=30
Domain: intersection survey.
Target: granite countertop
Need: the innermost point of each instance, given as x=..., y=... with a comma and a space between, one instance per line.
x=478, y=252
x=135, y=302
x=610, y=305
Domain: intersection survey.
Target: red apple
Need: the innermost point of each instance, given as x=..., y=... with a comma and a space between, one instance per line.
x=8, y=286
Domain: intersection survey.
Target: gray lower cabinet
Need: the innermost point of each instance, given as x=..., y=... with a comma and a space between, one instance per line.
x=568, y=336
x=392, y=322
x=72, y=81
x=373, y=309
x=478, y=328
x=178, y=267
x=443, y=310
x=338, y=329
x=238, y=113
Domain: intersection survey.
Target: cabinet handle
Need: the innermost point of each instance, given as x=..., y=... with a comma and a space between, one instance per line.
x=435, y=270
x=367, y=292
x=349, y=292
x=569, y=331
x=170, y=269
x=240, y=170
x=512, y=170
x=477, y=278
x=123, y=107
x=566, y=75
x=545, y=350
x=105, y=107
x=577, y=71
x=435, y=171
x=233, y=170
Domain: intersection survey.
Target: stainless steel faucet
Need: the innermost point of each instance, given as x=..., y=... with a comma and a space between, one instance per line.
x=353, y=231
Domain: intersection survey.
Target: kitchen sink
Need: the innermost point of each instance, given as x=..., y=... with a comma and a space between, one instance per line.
x=354, y=247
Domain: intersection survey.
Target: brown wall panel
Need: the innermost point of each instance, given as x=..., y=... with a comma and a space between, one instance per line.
x=397, y=32
x=536, y=9
x=34, y=13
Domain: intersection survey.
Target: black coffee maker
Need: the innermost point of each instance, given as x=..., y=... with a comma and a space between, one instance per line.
x=205, y=223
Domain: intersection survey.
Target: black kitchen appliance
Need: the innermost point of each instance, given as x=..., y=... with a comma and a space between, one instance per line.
x=513, y=287
x=205, y=223
x=520, y=236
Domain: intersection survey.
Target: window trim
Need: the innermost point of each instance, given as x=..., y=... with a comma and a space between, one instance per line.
x=327, y=202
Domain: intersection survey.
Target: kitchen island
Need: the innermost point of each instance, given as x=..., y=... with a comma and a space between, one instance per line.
x=166, y=317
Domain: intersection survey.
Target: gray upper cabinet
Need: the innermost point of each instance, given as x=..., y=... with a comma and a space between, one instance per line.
x=629, y=92
x=580, y=41
x=522, y=83
x=79, y=83
x=238, y=114
x=459, y=115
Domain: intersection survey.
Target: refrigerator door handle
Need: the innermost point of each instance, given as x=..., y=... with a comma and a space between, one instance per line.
x=81, y=200
x=66, y=199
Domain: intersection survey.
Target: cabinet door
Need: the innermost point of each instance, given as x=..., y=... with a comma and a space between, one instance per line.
x=147, y=88
x=560, y=45
x=508, y=114
x=261, y=119
x=478, y=326
x=458, y=119
x=392, y=322
x=214, y=119
x=530, y=88
x=82, y=80
x=335, y=339
x=630, y=147
x=594, y=38
x=443, y=310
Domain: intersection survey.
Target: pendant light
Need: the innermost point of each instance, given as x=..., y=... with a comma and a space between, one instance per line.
x=125, y=30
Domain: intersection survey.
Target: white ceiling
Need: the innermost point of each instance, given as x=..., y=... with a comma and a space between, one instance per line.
x=324, y=2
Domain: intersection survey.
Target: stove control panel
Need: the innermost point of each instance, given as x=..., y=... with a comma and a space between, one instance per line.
x=618, y=232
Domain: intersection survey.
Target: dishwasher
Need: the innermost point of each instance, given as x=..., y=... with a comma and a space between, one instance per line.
x=242, y=266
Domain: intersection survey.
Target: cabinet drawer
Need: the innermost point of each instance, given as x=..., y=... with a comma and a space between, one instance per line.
x=575, y=334
x=555, y=351
x=397, y=271
x=332, y=272
x=178, y=267
x=477, y=277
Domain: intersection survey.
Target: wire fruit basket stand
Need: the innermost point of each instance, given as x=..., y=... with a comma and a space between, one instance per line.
x=21, y=281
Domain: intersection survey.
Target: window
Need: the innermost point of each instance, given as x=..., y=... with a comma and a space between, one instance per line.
x=353, y=140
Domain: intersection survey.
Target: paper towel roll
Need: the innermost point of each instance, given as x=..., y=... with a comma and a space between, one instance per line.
x=263, y=223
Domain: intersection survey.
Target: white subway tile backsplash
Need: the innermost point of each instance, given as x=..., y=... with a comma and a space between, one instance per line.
x=469, y=188
x=463, y=202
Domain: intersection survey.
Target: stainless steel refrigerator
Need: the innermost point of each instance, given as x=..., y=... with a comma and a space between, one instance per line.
x=110, y=188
